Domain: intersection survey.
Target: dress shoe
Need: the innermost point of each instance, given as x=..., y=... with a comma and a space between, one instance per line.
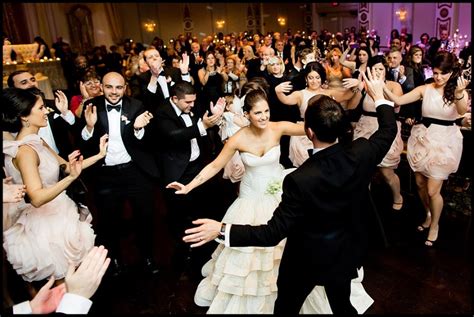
x=151, y=267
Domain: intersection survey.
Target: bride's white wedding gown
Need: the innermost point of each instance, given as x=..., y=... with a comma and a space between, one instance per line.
x=242, y=280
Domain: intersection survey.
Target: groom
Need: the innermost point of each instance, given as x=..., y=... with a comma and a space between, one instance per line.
x=323, y=209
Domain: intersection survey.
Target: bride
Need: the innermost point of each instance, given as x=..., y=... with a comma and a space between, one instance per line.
x=242, y=280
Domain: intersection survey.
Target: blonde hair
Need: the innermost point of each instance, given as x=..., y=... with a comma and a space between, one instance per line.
x=273, y=60
x=250, y=49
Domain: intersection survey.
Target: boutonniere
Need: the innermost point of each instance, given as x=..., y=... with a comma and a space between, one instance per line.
x=49, y=109
x=168, y=79
x=124, y=118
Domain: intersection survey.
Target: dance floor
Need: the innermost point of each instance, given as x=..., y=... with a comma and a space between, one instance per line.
x=401, y=274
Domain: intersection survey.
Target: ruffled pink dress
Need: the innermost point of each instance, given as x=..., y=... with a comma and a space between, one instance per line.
x=435, y=151
x=40, y=242
x=367, y=125
x=299, y=145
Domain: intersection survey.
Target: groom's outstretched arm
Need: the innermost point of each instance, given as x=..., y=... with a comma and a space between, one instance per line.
x=283, y=220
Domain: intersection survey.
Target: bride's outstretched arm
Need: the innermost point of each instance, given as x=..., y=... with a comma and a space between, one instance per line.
x=290, y=128
x=210, y=170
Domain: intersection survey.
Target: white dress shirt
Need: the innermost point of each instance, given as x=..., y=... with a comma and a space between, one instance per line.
x=116, y=151
x=187, y=120
x=154, y=82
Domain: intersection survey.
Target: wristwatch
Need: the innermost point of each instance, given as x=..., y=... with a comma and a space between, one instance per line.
x=222, y=232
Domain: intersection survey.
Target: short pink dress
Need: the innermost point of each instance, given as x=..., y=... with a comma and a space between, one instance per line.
x=42, y=241
x=368, y=124
x=435, y=151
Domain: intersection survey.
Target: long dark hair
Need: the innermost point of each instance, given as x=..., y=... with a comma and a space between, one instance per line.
x=318, y=68
x=448, y=62
x=17, y=103
x=409, y=58
x=362, y=48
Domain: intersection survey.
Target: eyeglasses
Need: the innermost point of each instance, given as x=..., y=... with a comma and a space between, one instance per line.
x=91, y=83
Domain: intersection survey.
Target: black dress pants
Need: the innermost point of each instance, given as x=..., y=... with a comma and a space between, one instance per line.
x=116, y=185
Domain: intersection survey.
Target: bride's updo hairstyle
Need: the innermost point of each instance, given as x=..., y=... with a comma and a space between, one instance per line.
x=252, y=98
x=17, y=103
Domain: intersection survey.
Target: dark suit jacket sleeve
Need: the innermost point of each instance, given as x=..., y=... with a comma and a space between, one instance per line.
x=284, y=220
x=382, y=139
x=167, y=130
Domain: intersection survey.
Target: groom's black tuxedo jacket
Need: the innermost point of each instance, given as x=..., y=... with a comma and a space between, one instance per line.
x=174, y=138
x=131, y=109
x=324, y=208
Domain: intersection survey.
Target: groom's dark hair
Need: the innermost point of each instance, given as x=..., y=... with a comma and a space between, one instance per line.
x=327, y=118
x=181, y=89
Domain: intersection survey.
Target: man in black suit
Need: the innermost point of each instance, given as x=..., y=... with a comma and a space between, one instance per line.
x=154, y=84
x=61, y=121
x=323, y=209
x=127, y=171
x=181, y=156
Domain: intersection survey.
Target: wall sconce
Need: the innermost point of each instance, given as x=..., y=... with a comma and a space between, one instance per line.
x=402, y=14
x=220, y=24
x=282, y=21
x=150, y=26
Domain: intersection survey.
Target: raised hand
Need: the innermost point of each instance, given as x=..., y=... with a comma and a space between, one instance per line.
x=284, y=87
x=86, y=279
x=207, y=231
x=142, y=120
x=374, y=84
x=91, y=116
x=104, y=142
x=61, y=102
x=401, y=71
x=47, y=300
x=219, y=107
x=184, y=63
x=84, y=93
x=180, y=188
x=461, y=85
x=12, y=193
x=75, y=164
x=155, y=67
x=350, y=83
x=210, y=121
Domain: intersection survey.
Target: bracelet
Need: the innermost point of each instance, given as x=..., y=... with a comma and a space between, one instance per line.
x=459, y=98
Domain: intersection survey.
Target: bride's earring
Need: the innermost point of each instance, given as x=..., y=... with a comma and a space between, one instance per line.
x=27, y=123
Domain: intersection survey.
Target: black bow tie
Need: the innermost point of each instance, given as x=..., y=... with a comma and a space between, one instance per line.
x=110, y=107
x=162, y=73
x=310, y=152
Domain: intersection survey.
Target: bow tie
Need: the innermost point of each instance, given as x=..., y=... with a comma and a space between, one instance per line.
x=310, y=152
x=110, y=107
x=162, y=73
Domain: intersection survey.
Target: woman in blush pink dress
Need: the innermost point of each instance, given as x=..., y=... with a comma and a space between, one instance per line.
x=368, y=124
x=46, y=234
x=434, y=147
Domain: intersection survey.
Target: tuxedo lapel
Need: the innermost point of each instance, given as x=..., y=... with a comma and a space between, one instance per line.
x=102, y=115
x=125, y=115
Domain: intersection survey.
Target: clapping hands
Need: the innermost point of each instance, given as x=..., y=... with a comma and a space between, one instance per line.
x=218, y=109
x=61, y=102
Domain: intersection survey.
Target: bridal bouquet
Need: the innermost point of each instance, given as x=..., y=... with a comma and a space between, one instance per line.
x=274, y=187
